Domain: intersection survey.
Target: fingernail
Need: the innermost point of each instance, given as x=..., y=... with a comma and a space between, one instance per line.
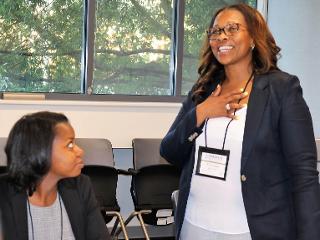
x=244, y=105
x=241, y=89
x=236, y=117
x=218, y=86
x=245, y=93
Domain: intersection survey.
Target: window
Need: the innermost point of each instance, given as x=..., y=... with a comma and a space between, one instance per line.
x=103, y=47
x=41, y=45
x=132, y=47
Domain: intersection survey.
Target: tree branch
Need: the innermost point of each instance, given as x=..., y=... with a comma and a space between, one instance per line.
x=108, y=51
x=146, y=15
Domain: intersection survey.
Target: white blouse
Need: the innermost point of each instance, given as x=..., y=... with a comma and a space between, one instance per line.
x=214, y=204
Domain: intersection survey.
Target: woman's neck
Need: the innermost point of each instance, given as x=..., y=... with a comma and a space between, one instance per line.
x=236, y=74
x=45, y=193
x=237, y=78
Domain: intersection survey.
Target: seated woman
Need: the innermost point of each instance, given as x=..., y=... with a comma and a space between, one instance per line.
x=44, y=195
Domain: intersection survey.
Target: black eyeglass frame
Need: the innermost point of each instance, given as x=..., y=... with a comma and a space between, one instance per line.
x=229, y=30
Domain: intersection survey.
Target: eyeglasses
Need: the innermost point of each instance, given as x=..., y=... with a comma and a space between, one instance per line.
x=229, y=30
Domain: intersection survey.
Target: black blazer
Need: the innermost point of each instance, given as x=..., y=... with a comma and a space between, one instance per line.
x=80, y=203
x=280, y=185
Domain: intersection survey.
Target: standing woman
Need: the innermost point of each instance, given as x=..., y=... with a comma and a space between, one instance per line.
x=43, y=196
x=244, y=140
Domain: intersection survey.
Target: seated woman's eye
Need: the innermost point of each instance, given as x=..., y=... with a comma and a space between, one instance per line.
x=70, y=145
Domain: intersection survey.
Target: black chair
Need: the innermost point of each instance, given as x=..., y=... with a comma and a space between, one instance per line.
x=99, y=166
x=153, y=181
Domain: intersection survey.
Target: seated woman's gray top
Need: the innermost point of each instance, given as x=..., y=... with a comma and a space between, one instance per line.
x=50, y=223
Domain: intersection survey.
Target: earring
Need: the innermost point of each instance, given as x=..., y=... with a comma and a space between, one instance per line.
x=252, y=46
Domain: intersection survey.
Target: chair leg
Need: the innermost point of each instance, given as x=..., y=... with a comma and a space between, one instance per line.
x=126, y=222
x=143, y=226
x=122, y=227
x=138, y=214
x=115, y=226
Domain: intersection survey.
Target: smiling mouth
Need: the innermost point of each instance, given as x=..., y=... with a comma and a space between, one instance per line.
x=225, y=49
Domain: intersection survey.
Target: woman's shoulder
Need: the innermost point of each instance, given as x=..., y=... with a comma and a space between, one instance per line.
x=7, y=188
x=3, y=178
x=278, y=76
x=277, y=79
x=78, y=186
x=5, y=184
x=81, y=181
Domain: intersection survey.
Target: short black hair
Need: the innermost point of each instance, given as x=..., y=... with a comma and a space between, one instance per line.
x=29, y=148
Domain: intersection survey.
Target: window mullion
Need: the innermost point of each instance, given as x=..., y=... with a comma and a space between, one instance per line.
x=88, y=42
x=179, y=9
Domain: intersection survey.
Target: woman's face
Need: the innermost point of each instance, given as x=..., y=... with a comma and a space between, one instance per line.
x=231, y=46
x=66, y=157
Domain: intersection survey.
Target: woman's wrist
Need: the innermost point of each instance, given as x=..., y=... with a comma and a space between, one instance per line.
x=200, y=114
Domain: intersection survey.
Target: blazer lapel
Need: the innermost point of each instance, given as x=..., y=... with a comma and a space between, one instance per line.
x=19, y=209
x=70, y=200
x=257, y=103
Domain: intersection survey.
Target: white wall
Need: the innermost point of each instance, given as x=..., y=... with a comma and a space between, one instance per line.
x=120, y=122
x=295, y=25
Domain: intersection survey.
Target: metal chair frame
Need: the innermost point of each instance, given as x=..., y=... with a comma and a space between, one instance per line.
x=145, y=158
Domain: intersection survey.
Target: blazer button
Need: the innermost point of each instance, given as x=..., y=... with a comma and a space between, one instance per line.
x=243, y=178
x=193, y=136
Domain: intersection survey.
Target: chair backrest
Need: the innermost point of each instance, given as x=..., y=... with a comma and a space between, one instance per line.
x=153, y=186
x=154, y=182
x=104, y=181
x=3, y=157
x=99, y=166
x=146, y=152
x=97, y=151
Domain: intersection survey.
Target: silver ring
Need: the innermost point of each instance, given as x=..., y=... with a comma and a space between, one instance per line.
x=228, y=107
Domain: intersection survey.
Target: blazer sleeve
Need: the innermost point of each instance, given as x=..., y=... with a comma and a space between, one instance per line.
x=298, y=142
x=96, y=228
x=177, y=145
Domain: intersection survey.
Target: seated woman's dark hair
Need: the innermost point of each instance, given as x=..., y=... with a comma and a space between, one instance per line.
x=29, y=148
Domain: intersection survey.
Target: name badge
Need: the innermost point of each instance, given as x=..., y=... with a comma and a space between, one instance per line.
x=212, y=162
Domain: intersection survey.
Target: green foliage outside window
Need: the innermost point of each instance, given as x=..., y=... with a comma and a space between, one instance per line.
x=132, y=47
x=41, y=44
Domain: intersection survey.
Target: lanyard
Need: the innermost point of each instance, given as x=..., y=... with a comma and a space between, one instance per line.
x=61, y=218
x=234, y=112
